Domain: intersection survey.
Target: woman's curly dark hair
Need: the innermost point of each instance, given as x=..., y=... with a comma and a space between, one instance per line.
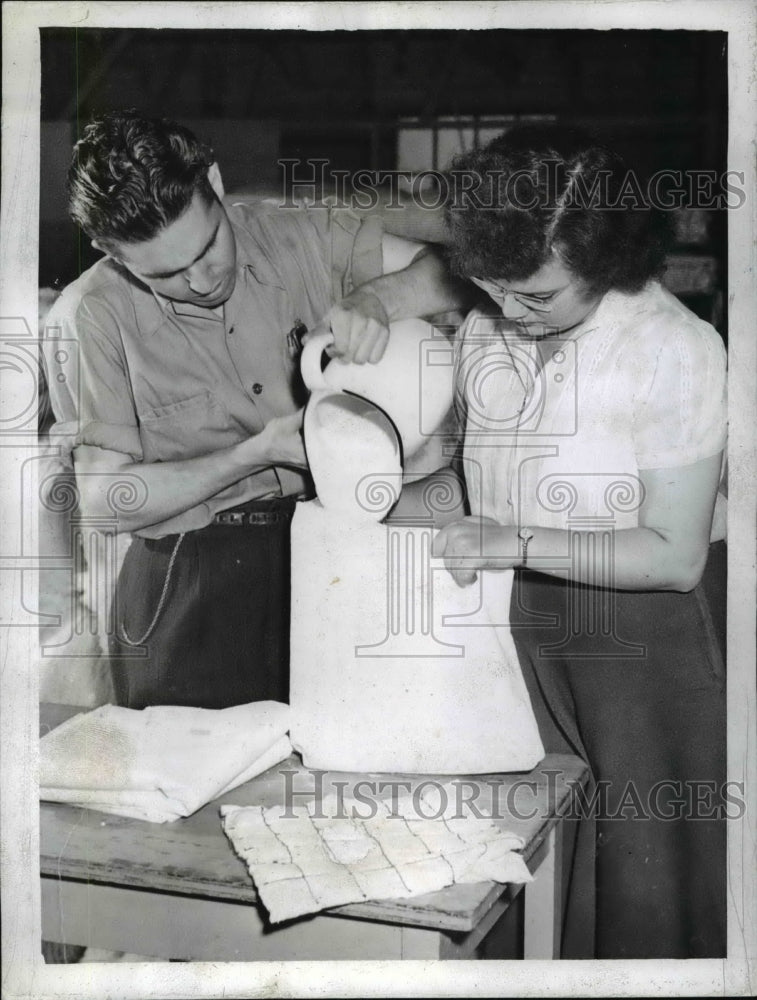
x=539, y=189
x=130, y=177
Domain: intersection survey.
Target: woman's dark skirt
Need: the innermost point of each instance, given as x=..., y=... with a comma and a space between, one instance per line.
x=635, y=684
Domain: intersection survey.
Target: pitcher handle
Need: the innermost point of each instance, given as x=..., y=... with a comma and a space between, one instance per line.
x=310, y=359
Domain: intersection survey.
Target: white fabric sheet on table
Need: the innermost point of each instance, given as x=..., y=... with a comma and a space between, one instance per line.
x=312, y=857
x=163, y=762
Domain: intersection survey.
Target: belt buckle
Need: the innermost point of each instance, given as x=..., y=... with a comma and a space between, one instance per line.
x=231, y=517
x=264, y=517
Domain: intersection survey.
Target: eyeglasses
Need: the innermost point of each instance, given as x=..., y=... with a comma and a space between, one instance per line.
x=536, y=303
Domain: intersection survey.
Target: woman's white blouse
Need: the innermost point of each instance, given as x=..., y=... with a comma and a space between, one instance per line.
x=641, y=384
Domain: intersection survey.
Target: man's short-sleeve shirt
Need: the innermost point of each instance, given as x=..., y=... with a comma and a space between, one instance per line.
x=162, y=381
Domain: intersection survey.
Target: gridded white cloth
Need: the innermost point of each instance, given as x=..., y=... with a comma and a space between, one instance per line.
x=308, y=858
x=163, y=762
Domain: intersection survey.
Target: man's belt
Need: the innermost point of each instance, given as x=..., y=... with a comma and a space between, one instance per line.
x=257, y=514
x=248, y=518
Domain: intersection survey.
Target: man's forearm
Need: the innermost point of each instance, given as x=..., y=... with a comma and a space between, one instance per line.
x=410, y=219
x=170, y=488
x=424, y=288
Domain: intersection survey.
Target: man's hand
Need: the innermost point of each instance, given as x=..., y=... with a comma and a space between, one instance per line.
x=281, y=441
x=360, y=322
x=475, y=543
x=360, y=325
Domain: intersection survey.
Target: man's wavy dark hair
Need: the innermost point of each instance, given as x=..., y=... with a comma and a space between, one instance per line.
x=536, y=190
x=130, y=177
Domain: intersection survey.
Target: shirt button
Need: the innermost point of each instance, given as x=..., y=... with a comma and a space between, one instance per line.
x=231, y=330
x=257, y=388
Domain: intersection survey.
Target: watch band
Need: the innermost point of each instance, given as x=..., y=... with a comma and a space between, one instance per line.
x=525, y=535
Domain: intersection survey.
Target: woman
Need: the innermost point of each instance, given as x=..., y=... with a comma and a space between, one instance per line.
x=594, y=438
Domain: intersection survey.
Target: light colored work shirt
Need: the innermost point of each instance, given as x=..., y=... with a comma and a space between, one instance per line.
x=161, y=380
x=558, y=436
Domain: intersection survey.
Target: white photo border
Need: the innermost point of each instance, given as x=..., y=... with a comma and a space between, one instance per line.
x=24, y=973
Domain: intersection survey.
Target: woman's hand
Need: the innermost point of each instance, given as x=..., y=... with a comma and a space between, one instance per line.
x=475, y=543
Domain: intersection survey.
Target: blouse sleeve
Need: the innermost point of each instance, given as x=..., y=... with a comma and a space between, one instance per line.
x=681, y=418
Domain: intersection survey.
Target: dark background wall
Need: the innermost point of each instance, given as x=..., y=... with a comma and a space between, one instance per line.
x=659, y=96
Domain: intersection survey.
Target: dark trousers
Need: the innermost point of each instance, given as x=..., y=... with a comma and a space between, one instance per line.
x=635, y=684
x=222, y=636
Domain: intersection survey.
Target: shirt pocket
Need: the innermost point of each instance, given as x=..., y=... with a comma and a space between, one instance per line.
x=185, y=428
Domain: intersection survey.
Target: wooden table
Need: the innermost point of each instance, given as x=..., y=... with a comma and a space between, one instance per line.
x=178, y=890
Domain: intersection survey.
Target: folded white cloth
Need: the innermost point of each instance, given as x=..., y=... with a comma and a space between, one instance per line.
x=162, y=762
x=313, y=857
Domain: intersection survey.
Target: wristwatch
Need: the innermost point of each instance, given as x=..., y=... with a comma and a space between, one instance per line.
x=525, y=535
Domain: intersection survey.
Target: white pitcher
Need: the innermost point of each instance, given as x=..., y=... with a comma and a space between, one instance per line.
x=413, y=382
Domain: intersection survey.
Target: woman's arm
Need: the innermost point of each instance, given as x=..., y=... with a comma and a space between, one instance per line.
x=439, y=498
x=667, y=551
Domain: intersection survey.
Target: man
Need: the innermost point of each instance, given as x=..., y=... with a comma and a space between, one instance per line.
x=188, y=403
